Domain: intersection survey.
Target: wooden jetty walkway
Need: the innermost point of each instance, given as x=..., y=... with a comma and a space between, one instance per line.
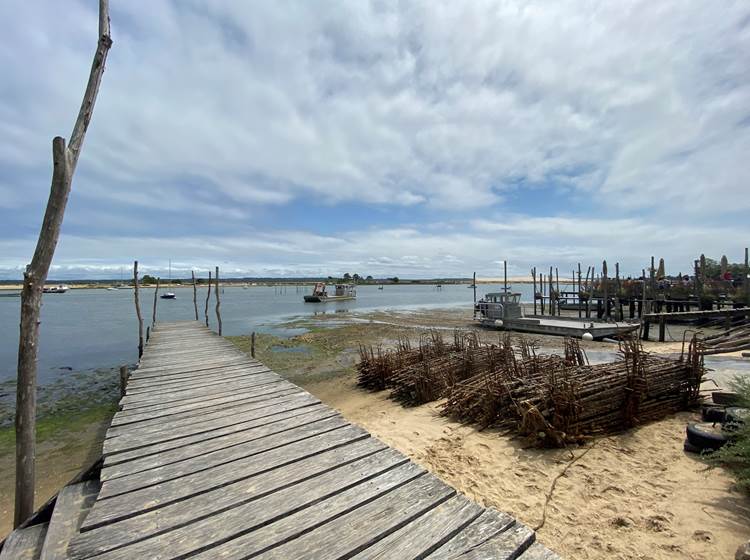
x=212, y=455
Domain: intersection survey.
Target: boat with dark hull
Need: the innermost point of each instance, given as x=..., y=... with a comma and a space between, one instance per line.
x=502, y=310
x=341, y=292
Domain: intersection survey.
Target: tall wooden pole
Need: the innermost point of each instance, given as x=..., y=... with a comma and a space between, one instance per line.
x=606, y=289
x=505, y=276
x=580, y=307
x=195, y=295
x=551, y=293
x=746, y=279
x=533, y=281
x=136, y=296
x=156, y=295
x=218, y=300
x=64, y=160
x=474, y=286
x=208, y=296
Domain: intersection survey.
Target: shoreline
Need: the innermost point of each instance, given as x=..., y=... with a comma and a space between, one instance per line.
x=634, y=495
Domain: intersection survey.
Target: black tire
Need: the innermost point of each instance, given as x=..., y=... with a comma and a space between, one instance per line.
x=705, y=437
x=690, y=448
x=712, y=413
x=727, y=398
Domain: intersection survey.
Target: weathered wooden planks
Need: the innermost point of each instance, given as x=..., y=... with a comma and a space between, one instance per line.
x=215, y=456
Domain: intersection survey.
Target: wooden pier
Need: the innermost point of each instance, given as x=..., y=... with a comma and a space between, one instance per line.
x=212, y=455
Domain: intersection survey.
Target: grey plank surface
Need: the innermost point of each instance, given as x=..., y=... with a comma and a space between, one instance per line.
x=234, y=437
x=356, y=481
x=223, y=426
x=486, y=526
x=147, y=433
x=153, y=497
x=224, y=498
x=361, y=527
x=538, y=551
x=72, y=504
x=427, y=533
x=212, y=455
x=24, y=544
x=234, y=451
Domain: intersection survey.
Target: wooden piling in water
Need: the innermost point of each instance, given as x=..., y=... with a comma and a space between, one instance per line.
x=123, y=380
x=208, y=295
x=218, y=300
x=605, y=283
x=533, y=280
x=475, y=289
x=195, y=295
x=138, y=309
x=746, y=279
x=156, y=295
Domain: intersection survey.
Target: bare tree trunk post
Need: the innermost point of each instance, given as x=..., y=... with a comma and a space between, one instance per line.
x=64, y=160
x=156, y=295
x=195, y=295
x=208, y=295
x=138, y=309
x=252, y=345
x=218, y=300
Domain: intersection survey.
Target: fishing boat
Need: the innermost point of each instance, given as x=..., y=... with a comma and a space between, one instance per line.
x=168, y=295
x=341, y=292
x=59, y=289
x=502, y=310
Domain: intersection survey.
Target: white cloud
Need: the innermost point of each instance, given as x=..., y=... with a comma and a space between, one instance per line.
x=640, y=107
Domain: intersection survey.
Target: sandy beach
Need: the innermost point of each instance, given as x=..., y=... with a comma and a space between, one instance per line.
x=633, y=496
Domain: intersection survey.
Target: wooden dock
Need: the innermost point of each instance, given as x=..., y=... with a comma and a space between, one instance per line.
x=215, y=456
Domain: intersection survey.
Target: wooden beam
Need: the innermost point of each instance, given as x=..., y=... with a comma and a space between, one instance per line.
x=136, y=296
x=195, y=295
x=218, y=300
x=208, y=296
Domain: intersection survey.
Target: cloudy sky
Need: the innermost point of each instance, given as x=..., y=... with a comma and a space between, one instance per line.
x=406, y=138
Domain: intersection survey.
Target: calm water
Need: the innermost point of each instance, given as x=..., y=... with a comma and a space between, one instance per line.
x=88, y=329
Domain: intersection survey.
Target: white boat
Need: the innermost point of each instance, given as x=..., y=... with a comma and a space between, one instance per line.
x=59, y=289
x=168, y=295
x=502, y=310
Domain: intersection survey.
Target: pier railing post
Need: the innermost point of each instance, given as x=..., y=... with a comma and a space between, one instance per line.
x=138, y=314
x=156, y=295
x=208, y=296
x=218, y=300
x=195, y=295
x=252, y=344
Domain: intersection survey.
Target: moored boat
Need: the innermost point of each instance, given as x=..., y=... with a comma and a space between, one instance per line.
x=59, y=289
x=168, y=295
x=341, y=292
x=502, y=310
